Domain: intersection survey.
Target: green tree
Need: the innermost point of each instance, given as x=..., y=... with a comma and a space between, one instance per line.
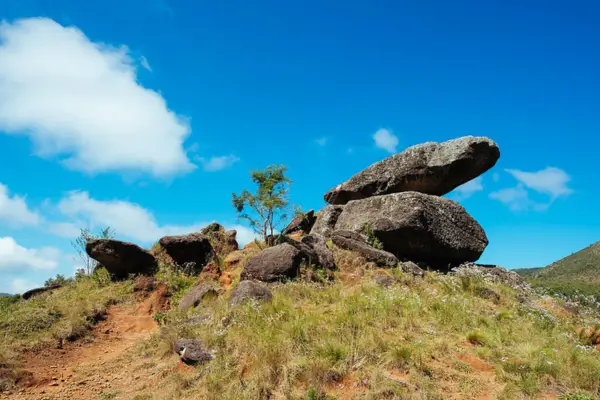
x=266, y=210
x=79, y=245
x=58, y=280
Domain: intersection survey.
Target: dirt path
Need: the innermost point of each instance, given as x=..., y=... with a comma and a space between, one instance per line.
x=67, y=373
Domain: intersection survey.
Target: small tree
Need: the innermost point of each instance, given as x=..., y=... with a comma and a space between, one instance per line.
x=79, y=244
x=266, y=210
x=59, y=280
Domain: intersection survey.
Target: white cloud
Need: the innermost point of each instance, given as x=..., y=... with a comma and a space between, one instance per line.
x=468, y=189
x=386, y=140
x=128, y=220
x=517, y=198
x=81, y=101
x=20, y=285
x=218, y=163
x=14, y=210
x=144, y=62
x=321, y=141
x=64, y=229
x=14, y=257
x=551, y=181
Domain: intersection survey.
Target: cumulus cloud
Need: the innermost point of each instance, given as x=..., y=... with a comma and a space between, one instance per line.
x=20, y=285
x=14, y=257
x=516, y=198
x=386, y=140
x=81, y=101
x=218, y=163
x=14, y=210
x=551, y=181
x=127, y=219
x=468, y=189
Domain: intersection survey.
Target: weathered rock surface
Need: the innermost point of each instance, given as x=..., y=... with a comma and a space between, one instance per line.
x=418, y=227
x=302, y=223
x=192, y=351
x=34, y=292
x=277, y=263
x=353, y=241
x=247, y=290
x=410, y=267
x=195, y=295
x=493, y=273
x=318, y=244
x=120, y=258
x=432, y=168
x=222, y=241
x=192, y=248
x=384, y=280
x=326, y=219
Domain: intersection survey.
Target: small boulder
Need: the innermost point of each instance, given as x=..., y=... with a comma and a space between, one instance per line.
x=431, y=168
x=195, y=295
x=355, y=242
x=493, y=273
x=37, y=291
x=278, y=263
x=121, y=258
x=302, y=222
x=318, y=244
x=384, y=280
x=187, y=249
x=222, y=241
x=144, y=284
x=325, y=220
x=411, y=268
x=247, y=290
x=417, y=227
x=192, y=351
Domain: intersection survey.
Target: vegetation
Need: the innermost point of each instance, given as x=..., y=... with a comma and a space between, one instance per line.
x=79, y=245
x=58, y=280
x=267, y=210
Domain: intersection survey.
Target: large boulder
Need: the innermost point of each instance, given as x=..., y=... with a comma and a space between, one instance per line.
x=355, y=242
x=326, y=219
x=301, y=223
x=277, y=263
x=417, y=227
x=431, y=168
x=247, y=290
x=186, y=249
x=318, y=245
x=120, y=258
x=222, y=241
x=195, y=295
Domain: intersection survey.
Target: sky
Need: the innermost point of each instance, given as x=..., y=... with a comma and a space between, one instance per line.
x=145, y=115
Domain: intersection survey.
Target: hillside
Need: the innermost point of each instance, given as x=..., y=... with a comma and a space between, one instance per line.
x=5, y=294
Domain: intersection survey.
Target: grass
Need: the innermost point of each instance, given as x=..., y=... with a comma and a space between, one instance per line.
x=315, y=339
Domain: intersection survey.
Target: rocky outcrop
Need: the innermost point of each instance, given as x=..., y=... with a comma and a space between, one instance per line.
x=192, y=248
x=325, y=220
x=34, y=292
x=301, y=223
x=247, y=290
x=409, y=267
x=355, y=242
x=120, y=258
x=318, y=244
x=222, y=241
x=431, y=168
x=195, y=295
x=417, y=227
x=278, y=263
x=192, y=351
x=492, y=273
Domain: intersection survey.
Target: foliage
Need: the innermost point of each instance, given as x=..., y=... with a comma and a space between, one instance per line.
x=59, y=280
x=79, y=244
x=267, y=210
x=576, y=396
x=372, y=240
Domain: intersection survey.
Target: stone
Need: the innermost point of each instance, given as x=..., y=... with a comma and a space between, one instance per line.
x=417, y=227
x=144, y=284
x=192, y=351
x=411, y=268
x=384, y=280
x=318, y=244
x=277, y=263
x=222, y=241
x=37, y=291
x=302, y=222
x=247, y=290
x=195, y=295
x=186, y=249
x=355, y=242
x=493, y=273
x=431, y=168
x=121, y=258
x=325, y=220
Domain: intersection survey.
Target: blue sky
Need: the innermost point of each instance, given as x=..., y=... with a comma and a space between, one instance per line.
x=146, y=114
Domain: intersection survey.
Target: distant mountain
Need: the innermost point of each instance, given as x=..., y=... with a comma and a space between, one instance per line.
x=5, y=294
x=580, y=270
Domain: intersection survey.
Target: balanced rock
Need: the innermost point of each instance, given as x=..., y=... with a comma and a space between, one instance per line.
x=222, y=241
x=120, y=258
x=355, y=242
x=417, y=227
x=195, y=295
x=192, y=248
x=431, y=168
x=318, y=244
x=326, y=219
x=303, y=222
x=277, y=263
x=247, y=290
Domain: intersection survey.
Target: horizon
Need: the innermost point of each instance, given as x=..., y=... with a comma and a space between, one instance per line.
x=146, y=116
